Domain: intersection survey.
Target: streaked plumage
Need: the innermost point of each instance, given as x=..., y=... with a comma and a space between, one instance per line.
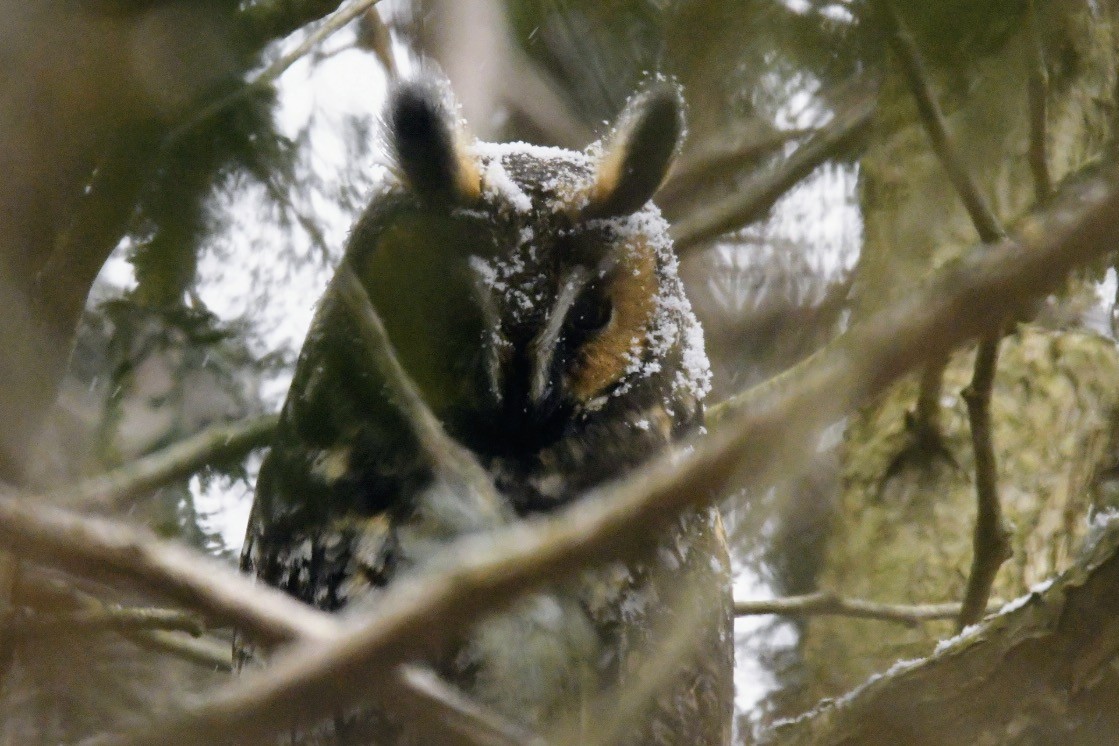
x=532, y=295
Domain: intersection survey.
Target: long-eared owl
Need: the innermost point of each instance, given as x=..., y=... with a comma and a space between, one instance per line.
x=532, y=296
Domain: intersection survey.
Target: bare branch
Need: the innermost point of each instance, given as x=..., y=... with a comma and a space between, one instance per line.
x=419, y=615
x=227, y=441
x=827, y=603
x=374, y=35
x=992, y=536
x=1038, y=93
x=446, y=456
x=207, y=652
x=726, y=155
x=986, y=223
x=109, y=617
x=50, y=594
x=268, y=20
x=270, y=74
x=926, y=414
x=113, y=553
x=100, y=550
x=754, y=200
x=331, y=25
x=443, y=704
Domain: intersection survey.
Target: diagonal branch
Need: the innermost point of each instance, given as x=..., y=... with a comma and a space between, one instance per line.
x=100, y=550
x=116, y=554
x=725, y=156
x=419, y=615
x=450, y=460
x=110, y=617
x=756, y=198
x=332, y=24
x=266, y=21
x=50, y=594
x=113, y=489
x=905, y=49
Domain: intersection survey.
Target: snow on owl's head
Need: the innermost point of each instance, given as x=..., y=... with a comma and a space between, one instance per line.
x=555, y=286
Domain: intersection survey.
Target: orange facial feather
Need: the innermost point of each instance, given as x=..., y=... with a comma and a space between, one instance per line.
x=632, y=290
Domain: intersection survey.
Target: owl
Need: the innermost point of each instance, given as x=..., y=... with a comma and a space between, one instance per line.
x=531, y=294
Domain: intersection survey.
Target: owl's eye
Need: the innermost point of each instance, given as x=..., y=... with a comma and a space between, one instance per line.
x=590, y=314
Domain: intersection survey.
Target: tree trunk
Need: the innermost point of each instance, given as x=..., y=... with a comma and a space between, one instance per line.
x=903, y=529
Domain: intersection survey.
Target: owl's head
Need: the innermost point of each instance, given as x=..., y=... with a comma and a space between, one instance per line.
x=527, y=288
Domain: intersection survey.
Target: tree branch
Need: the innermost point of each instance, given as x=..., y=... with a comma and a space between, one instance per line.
x=1038, y=94
x=51, y=595
x=207, y=651
x=754, y=200
x=114, y=489
x=827, y=603
x=100, y=550
x=126, y=557
x=109, y=617
x=450, y=460
x=419, y=615
x=1041, y=667
x=266, y=21
x=271, y=74
x=992, y=536
x=724, y=156
x=986, y=223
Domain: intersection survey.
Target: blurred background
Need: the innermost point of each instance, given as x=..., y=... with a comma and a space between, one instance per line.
x=180, y=178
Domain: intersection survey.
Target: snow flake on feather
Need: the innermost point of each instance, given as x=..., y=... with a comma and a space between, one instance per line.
x=500, y=188
x=674, y=325
x=674, y=332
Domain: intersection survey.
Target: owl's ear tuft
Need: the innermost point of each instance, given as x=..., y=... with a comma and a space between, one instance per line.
x=429, y=145
x=637, y=154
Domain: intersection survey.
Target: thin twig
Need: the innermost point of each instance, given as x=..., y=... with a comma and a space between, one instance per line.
x=905, y=49
x=611, y=716
x=374, y=35
x=447, y=457
x=268, y=20
x=725, y=156
x=992, y=537
x=226, y=441
x=421, y=614
x=1038, y=93
x=114, y=553
x=827, y=603
x=100, y=550
x=110, y=617
x=329, y=26
x=207, y=651
x=51, y=594
x=1000, y=676
x=472, y=723
x=754, y=200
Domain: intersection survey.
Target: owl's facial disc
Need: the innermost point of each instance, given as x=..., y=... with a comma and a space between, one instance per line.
x=567, y=287
x=544, y=362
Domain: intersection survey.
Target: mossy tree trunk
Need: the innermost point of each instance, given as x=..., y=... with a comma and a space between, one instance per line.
x=903, y=528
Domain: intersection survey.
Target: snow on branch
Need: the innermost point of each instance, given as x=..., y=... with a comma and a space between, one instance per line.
x=1029, y=669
